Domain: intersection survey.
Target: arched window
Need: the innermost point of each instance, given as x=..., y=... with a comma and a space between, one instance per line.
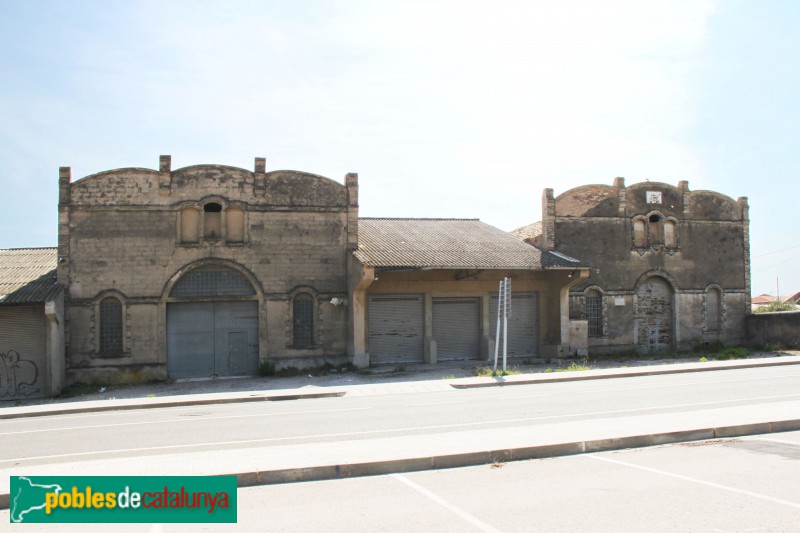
x=594, y=312
x=639, y=234
x=190, y=225
x=303, y=320
x=212, y=220
x=670, y=239
x=234, y=220
x=713, y=309
x=110, y=326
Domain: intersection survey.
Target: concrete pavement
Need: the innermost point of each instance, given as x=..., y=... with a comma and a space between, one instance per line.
x=314, y=461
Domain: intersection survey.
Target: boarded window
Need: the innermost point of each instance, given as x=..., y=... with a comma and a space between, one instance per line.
x=234, y=218
x=639, y=235
x=594, y=313
x=669, y=234
x=190, y=225
x=110, y=326
x=212, y=221
x=713, y=310
x=303, y=321
x=654, y=229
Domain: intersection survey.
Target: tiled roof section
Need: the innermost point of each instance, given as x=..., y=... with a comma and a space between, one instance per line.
x=28, y=275
x=434, y=243
x=531, y=231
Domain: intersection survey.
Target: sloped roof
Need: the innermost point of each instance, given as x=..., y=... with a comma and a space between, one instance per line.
x=28, y=275
x=531, y=231
x=436, y=243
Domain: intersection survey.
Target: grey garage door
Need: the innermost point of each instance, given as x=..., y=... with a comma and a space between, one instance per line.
x=456, y=328
x=523, y=324
x=654, y=316
x=212, y=339
x=396, y=327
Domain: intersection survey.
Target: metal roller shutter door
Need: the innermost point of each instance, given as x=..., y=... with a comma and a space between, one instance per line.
x=23, y=330
x=456, y=328
x=523, y=324
x=396, y=329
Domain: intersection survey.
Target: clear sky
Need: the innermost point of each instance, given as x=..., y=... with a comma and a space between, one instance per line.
x=452, y=108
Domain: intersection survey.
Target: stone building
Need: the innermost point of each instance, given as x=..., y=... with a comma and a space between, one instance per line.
x=212, y=270
x=670, y=267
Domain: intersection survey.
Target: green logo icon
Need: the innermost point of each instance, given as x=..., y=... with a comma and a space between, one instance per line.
x=114, y=499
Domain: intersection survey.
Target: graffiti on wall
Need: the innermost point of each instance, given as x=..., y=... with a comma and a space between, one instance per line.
x=17, y=376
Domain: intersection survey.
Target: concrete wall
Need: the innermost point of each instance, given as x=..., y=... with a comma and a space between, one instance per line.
x=120, y=234
x=774, y=328
x=711, y=252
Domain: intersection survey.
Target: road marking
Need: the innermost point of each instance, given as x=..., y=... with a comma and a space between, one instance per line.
x=378, y=431
x=483, y=526
x=622, y=389
x=435, y=403
x=698, y=481
x=175, y=420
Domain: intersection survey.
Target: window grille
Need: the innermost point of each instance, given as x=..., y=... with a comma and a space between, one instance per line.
x=110, y=326
x=212, y=281
x=303, y=321
x=594, y=314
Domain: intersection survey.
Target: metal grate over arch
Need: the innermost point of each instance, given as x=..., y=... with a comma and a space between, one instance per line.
x=212, y=281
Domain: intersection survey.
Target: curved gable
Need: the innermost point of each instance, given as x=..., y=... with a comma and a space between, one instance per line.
x=588, y=201
x=302, y=189
x=122, y=186
x=710, y=205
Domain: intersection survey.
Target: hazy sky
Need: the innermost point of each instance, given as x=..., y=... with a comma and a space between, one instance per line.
x=444, y=108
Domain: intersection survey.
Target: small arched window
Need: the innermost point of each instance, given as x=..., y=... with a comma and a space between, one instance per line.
x=190, y=225
x=713, y=309
x=594, y=313
x=110, y=326
x=670, y=239
x=212, y=220
x=303, y=320
x=639, y=234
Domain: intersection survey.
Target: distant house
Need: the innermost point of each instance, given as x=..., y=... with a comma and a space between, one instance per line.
x=31, y=324
x=762, y=300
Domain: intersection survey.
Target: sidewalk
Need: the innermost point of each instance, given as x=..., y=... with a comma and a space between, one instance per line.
x=331, y=460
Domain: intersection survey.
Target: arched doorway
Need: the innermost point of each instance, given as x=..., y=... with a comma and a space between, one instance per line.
x=654, y=329
x=212, y=324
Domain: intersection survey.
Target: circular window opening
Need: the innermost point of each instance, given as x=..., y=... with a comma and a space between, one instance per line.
x=654, y=218
x=212, y=207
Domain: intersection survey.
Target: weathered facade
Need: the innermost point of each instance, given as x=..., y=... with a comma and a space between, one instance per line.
x=214, y=271
x=205, y=270
x=31, y=325
x=670, y=267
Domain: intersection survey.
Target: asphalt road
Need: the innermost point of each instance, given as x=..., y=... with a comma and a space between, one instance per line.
x=81, y=437
x=744, y=484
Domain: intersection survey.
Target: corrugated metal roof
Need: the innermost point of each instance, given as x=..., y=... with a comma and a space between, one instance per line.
x=435, y=243
x=28, y=275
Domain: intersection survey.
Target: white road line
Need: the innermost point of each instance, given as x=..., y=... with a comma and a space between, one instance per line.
x=392, y=430
x=483, y=526
x=623, y=389
x=698, y=481
x=176, y=420
x=435, y=403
